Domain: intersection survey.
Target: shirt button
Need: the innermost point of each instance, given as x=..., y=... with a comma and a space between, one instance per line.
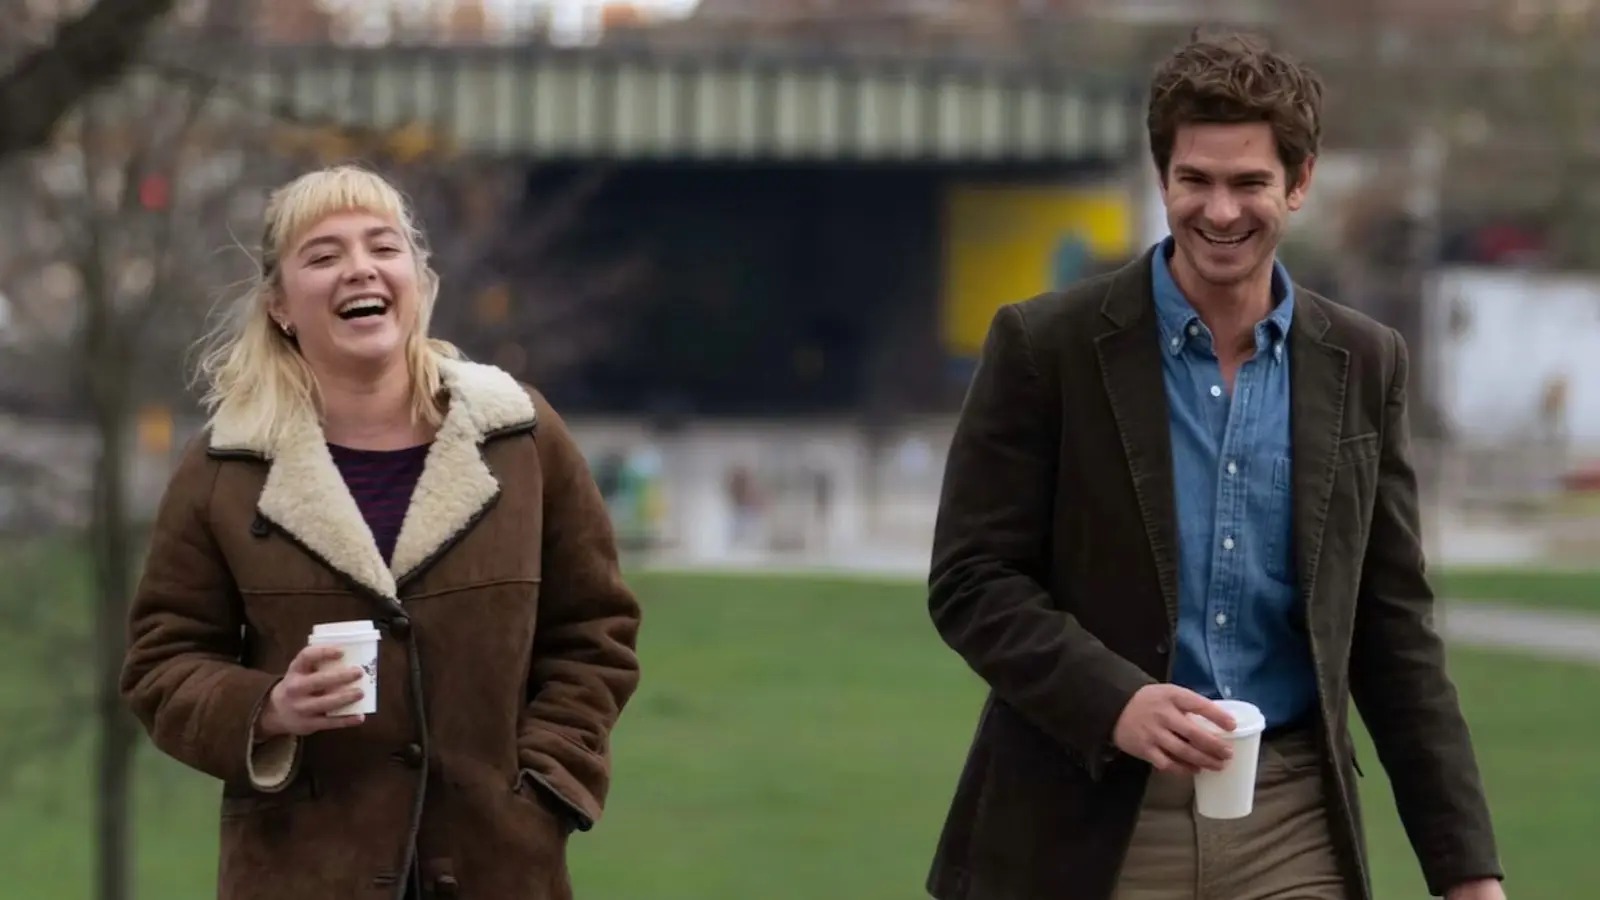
x=1194, y=330
x=1227, y=692
x=1277, y=351
x=1227, y=543
x=1176, y=341
x=1216, y=391
x=1233, y=468
x=1222, y=618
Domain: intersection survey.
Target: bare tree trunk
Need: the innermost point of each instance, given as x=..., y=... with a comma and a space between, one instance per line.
x=117, y=738
x=105, y=362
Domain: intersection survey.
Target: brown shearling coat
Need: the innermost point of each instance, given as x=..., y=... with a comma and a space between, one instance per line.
x=508, y=653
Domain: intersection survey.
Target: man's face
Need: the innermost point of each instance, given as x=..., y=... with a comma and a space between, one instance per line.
x=1228, y=200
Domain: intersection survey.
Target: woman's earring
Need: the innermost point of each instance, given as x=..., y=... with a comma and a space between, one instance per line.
x=288, y=330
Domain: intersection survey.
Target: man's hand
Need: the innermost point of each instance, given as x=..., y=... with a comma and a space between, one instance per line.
x=1482, y=889
x=313, y=687
x=1155, y=727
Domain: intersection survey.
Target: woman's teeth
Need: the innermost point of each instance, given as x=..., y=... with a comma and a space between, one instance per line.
x=365, y=306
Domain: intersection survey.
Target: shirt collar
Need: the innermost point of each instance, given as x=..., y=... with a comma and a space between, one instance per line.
x=1176, y=315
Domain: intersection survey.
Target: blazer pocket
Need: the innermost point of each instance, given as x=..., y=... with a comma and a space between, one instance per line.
x=1350, y=750
x=1356, y=450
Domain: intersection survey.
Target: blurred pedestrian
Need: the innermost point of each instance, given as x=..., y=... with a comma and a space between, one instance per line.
x=1175, y=489
x=355, y=469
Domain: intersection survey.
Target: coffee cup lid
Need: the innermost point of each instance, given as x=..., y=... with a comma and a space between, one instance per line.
x=358, y=628
x=1247, y=719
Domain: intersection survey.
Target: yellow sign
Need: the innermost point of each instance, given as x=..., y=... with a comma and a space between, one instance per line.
x=494, y=305
x=1005, y=243
x=155, y=430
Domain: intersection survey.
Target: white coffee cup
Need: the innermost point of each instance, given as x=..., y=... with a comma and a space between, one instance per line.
x=358, y=641
x=1231, y=793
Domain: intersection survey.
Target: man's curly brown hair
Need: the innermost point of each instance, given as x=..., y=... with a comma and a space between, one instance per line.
x=1235, y=79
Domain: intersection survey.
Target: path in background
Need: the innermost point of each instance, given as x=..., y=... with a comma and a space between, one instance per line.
x=1552, y=635
x=1555, y=635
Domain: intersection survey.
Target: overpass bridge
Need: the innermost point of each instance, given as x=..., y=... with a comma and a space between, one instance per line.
x=827, y=232
x=636, y=104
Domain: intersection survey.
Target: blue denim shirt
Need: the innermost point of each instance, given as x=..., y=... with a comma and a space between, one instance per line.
x=1241, y=619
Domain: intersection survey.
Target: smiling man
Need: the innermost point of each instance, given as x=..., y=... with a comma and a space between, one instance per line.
x=1188, y=481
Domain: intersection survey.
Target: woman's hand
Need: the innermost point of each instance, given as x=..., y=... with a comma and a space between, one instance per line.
x=313, y=687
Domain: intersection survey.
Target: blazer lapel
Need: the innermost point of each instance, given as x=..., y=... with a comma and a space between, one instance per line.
x=1317, y=382
x=1130, y=365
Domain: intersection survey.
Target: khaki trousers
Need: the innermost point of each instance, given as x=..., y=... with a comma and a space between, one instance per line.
x=1283, y=850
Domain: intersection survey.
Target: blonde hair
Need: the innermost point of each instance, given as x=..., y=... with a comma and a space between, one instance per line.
x=254, y=375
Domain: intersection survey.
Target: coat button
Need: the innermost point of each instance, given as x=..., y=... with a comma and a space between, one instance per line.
x=446, y=885
x=412, y=756
x=1162, y=647
x=259, y=526
x=400, y=627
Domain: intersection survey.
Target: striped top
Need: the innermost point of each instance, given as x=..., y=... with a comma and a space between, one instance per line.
x=381, y=481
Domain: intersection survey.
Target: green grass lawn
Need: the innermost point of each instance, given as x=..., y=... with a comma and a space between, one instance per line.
x=1558, y=589
x=799, y=739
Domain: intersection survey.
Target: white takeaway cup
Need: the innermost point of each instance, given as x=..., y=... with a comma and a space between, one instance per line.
x=358, y=641
x=1231, y=793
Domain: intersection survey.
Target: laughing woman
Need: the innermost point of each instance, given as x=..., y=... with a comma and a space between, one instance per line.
x=355, y=469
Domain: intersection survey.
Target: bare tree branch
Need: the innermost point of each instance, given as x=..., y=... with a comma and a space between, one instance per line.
x=138, y=317
x=88, y=53
x=559, y=216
